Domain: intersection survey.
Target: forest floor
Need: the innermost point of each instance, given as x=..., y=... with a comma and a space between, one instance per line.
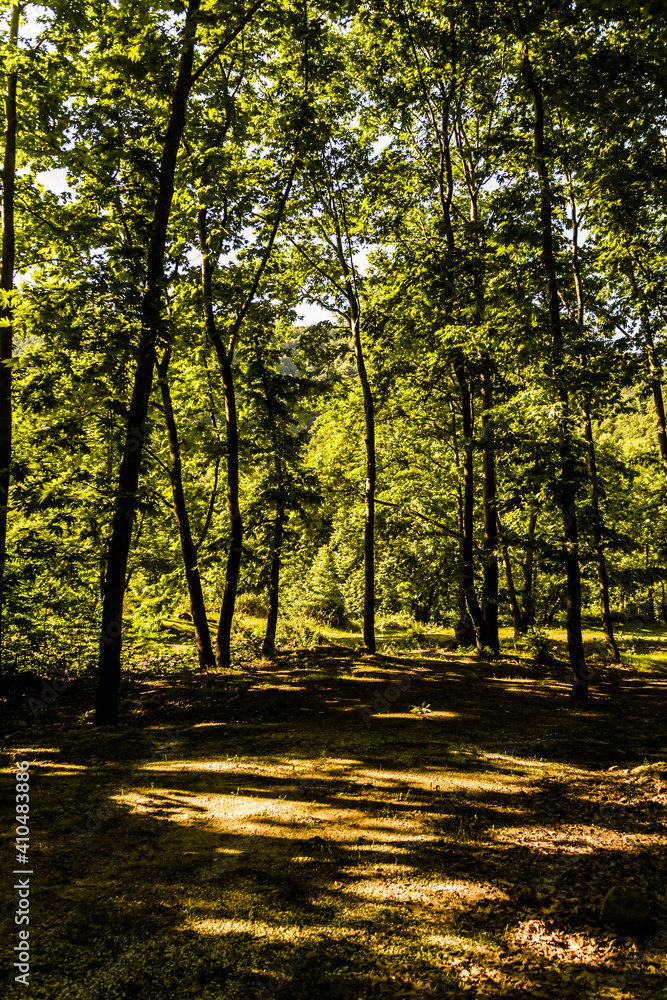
x=337, y=825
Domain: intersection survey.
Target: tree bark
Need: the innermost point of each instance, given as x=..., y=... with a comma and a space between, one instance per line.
x=527, y=604
x=268, y=648
x=106, y=704
x=464, y=628
x=223, y=637
x=354, y=304
x=6, y=311
x=468, y=505
x=509, y=579
x=596, y=516
x=269, y=644
x=655, y=370
x=567, y=485
x=490, y=592
x=596, y=528
x=369, y=495
x=193, y=579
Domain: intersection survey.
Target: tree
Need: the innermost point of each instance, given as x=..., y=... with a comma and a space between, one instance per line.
x=225, y=352
x=328, y=240
x=106, y=703
x=188, y=547
x=566, y=489
x=6, y=292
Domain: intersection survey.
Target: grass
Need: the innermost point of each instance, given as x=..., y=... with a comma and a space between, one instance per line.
x=248, y=836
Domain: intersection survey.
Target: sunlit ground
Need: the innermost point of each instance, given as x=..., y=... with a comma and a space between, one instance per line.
x=257, y=835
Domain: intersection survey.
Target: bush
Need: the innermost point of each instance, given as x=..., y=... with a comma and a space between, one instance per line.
x=251, y=604
x=300, y=632
x=539, y=644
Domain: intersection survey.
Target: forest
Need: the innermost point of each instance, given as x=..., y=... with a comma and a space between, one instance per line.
x=332, y=340
x=467, y=197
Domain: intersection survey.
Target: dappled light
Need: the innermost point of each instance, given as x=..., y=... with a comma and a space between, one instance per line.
x=464, y=848
x=333, y=500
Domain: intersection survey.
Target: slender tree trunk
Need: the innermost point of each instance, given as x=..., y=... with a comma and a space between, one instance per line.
x=464, y=627
x=509, y=579
x=656, y=388
x=6, y=312
x=193, y=579
x=223, y=639
x=490, y=594
x=441, y=122
x=106, y=705
x=596, y=527
x=655, y=370
x=338, y=215
x=567, y=484
x=468, y=506
x=527, y=604
x=596, y=516
x=225, y=358
x=369, y=495
x=269, y=644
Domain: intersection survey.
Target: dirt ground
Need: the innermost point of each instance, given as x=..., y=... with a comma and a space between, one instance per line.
x=335, y=825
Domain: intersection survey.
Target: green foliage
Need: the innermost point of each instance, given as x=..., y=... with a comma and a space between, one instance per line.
x=300, y=632
x=321, y=597
x=420, y=211
x=539, y=644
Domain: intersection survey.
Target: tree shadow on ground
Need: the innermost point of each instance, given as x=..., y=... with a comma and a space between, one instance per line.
x=260, y=837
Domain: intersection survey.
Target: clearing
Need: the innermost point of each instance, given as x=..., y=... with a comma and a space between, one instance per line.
x=335, y=825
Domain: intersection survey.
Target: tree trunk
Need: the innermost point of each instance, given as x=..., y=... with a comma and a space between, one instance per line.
x=223, y=639
x=509, y=579
x=468, y=506
x=596, y=516
x=193, y=579
x=225, y=357
x=369, y=496
x=655, y=369
x=268, y=648
x=490, y=592
x=106, y=704
x=6, y=312
x=566, y=491
x=527, y=603
x=464, y=629
x=337, y=214
x=269, y=644
x=596, y=527
x=656, y=388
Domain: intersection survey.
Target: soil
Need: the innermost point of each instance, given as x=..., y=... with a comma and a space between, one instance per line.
x=335, y=825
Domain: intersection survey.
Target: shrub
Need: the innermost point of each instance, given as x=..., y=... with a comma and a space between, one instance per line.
x=539, y=644
x=251, y=604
